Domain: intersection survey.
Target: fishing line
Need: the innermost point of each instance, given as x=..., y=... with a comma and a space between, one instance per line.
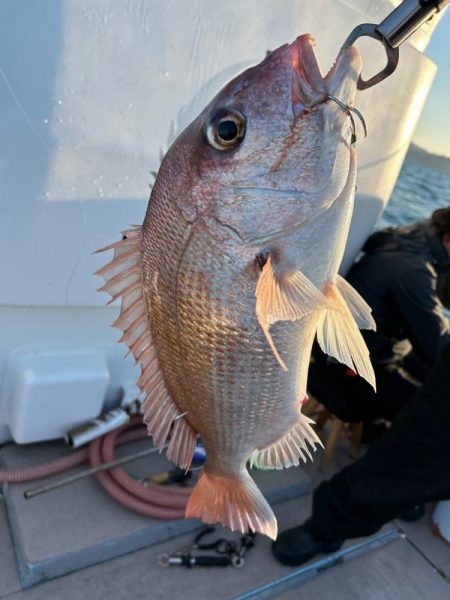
x=43, y=143
x=23, y=111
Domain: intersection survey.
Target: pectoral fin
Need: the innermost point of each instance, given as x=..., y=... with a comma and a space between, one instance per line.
x=284, y=297
x=338, y=334
x=359, y=308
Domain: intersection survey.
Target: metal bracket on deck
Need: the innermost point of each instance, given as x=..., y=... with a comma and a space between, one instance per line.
x=299, y=576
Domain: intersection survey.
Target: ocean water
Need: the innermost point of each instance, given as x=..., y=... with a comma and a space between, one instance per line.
x=419, y=191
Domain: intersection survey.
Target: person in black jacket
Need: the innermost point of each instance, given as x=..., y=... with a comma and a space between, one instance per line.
x=409, y=464
x=404, y=277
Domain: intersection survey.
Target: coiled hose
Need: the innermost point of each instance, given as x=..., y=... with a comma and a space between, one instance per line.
x=152, y=500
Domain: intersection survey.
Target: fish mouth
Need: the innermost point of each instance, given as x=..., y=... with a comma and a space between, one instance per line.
x=310, y=87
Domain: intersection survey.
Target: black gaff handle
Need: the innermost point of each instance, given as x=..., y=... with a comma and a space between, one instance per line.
x=406, y=19
x=438, y=4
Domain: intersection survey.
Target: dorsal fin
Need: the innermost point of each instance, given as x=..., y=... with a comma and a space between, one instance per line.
x=122, y=277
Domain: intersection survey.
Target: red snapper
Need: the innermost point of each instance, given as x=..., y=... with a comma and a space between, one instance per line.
x=235, y=271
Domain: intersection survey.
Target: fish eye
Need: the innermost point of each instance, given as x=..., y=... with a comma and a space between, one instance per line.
x=226, y=129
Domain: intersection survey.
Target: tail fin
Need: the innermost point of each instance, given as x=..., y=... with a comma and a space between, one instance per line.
x=236, y=502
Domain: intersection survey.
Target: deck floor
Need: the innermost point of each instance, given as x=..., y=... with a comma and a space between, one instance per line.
x=401, y=570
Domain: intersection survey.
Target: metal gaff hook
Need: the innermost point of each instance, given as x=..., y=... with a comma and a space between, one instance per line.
x=370, y=30
x=395, y=29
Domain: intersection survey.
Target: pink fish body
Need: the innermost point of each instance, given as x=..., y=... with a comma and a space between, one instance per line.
x=234, y=272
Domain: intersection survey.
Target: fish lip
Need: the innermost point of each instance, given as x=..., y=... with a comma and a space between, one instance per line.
x=310, y=87
x=307, y=86
x=341, y=80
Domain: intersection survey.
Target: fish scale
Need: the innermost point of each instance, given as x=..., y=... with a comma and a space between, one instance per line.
x=233, y=369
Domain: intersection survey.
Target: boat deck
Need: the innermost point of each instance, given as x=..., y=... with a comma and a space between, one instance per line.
x=413, y=567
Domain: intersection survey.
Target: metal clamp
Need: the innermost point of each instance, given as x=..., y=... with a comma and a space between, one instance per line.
x=247, y=542
x=395, y=29
x=228, y=552
x=371, y=30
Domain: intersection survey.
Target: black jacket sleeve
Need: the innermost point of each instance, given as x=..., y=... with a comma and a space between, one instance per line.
x=414, y=292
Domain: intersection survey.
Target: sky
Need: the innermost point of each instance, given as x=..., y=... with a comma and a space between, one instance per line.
x=433, y=129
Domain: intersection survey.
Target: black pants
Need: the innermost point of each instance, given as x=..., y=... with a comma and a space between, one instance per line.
x=409, y=464
x=351, y=398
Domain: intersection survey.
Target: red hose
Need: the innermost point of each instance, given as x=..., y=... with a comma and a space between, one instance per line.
x=59, y=465
x=153, y=500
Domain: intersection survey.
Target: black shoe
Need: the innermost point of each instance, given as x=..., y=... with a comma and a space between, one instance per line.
x=414, y=513
x=296, y=546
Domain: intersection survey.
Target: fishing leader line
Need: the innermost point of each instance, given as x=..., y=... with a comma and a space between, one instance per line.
x=80, y=203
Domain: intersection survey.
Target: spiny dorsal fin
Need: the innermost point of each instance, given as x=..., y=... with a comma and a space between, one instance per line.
x=284, y=298
x=122, y=277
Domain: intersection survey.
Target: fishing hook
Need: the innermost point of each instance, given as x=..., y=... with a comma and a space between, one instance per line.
x=349, y=110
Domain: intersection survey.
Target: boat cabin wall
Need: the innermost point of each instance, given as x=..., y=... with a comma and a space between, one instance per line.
x=91, y=94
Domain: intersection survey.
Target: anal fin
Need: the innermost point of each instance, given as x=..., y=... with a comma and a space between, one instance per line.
x=122, y=277
x=287, y=451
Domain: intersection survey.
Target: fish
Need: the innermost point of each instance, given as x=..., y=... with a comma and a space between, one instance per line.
x=234, y=271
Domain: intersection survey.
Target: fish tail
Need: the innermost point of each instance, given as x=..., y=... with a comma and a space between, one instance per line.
x=235, y=502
